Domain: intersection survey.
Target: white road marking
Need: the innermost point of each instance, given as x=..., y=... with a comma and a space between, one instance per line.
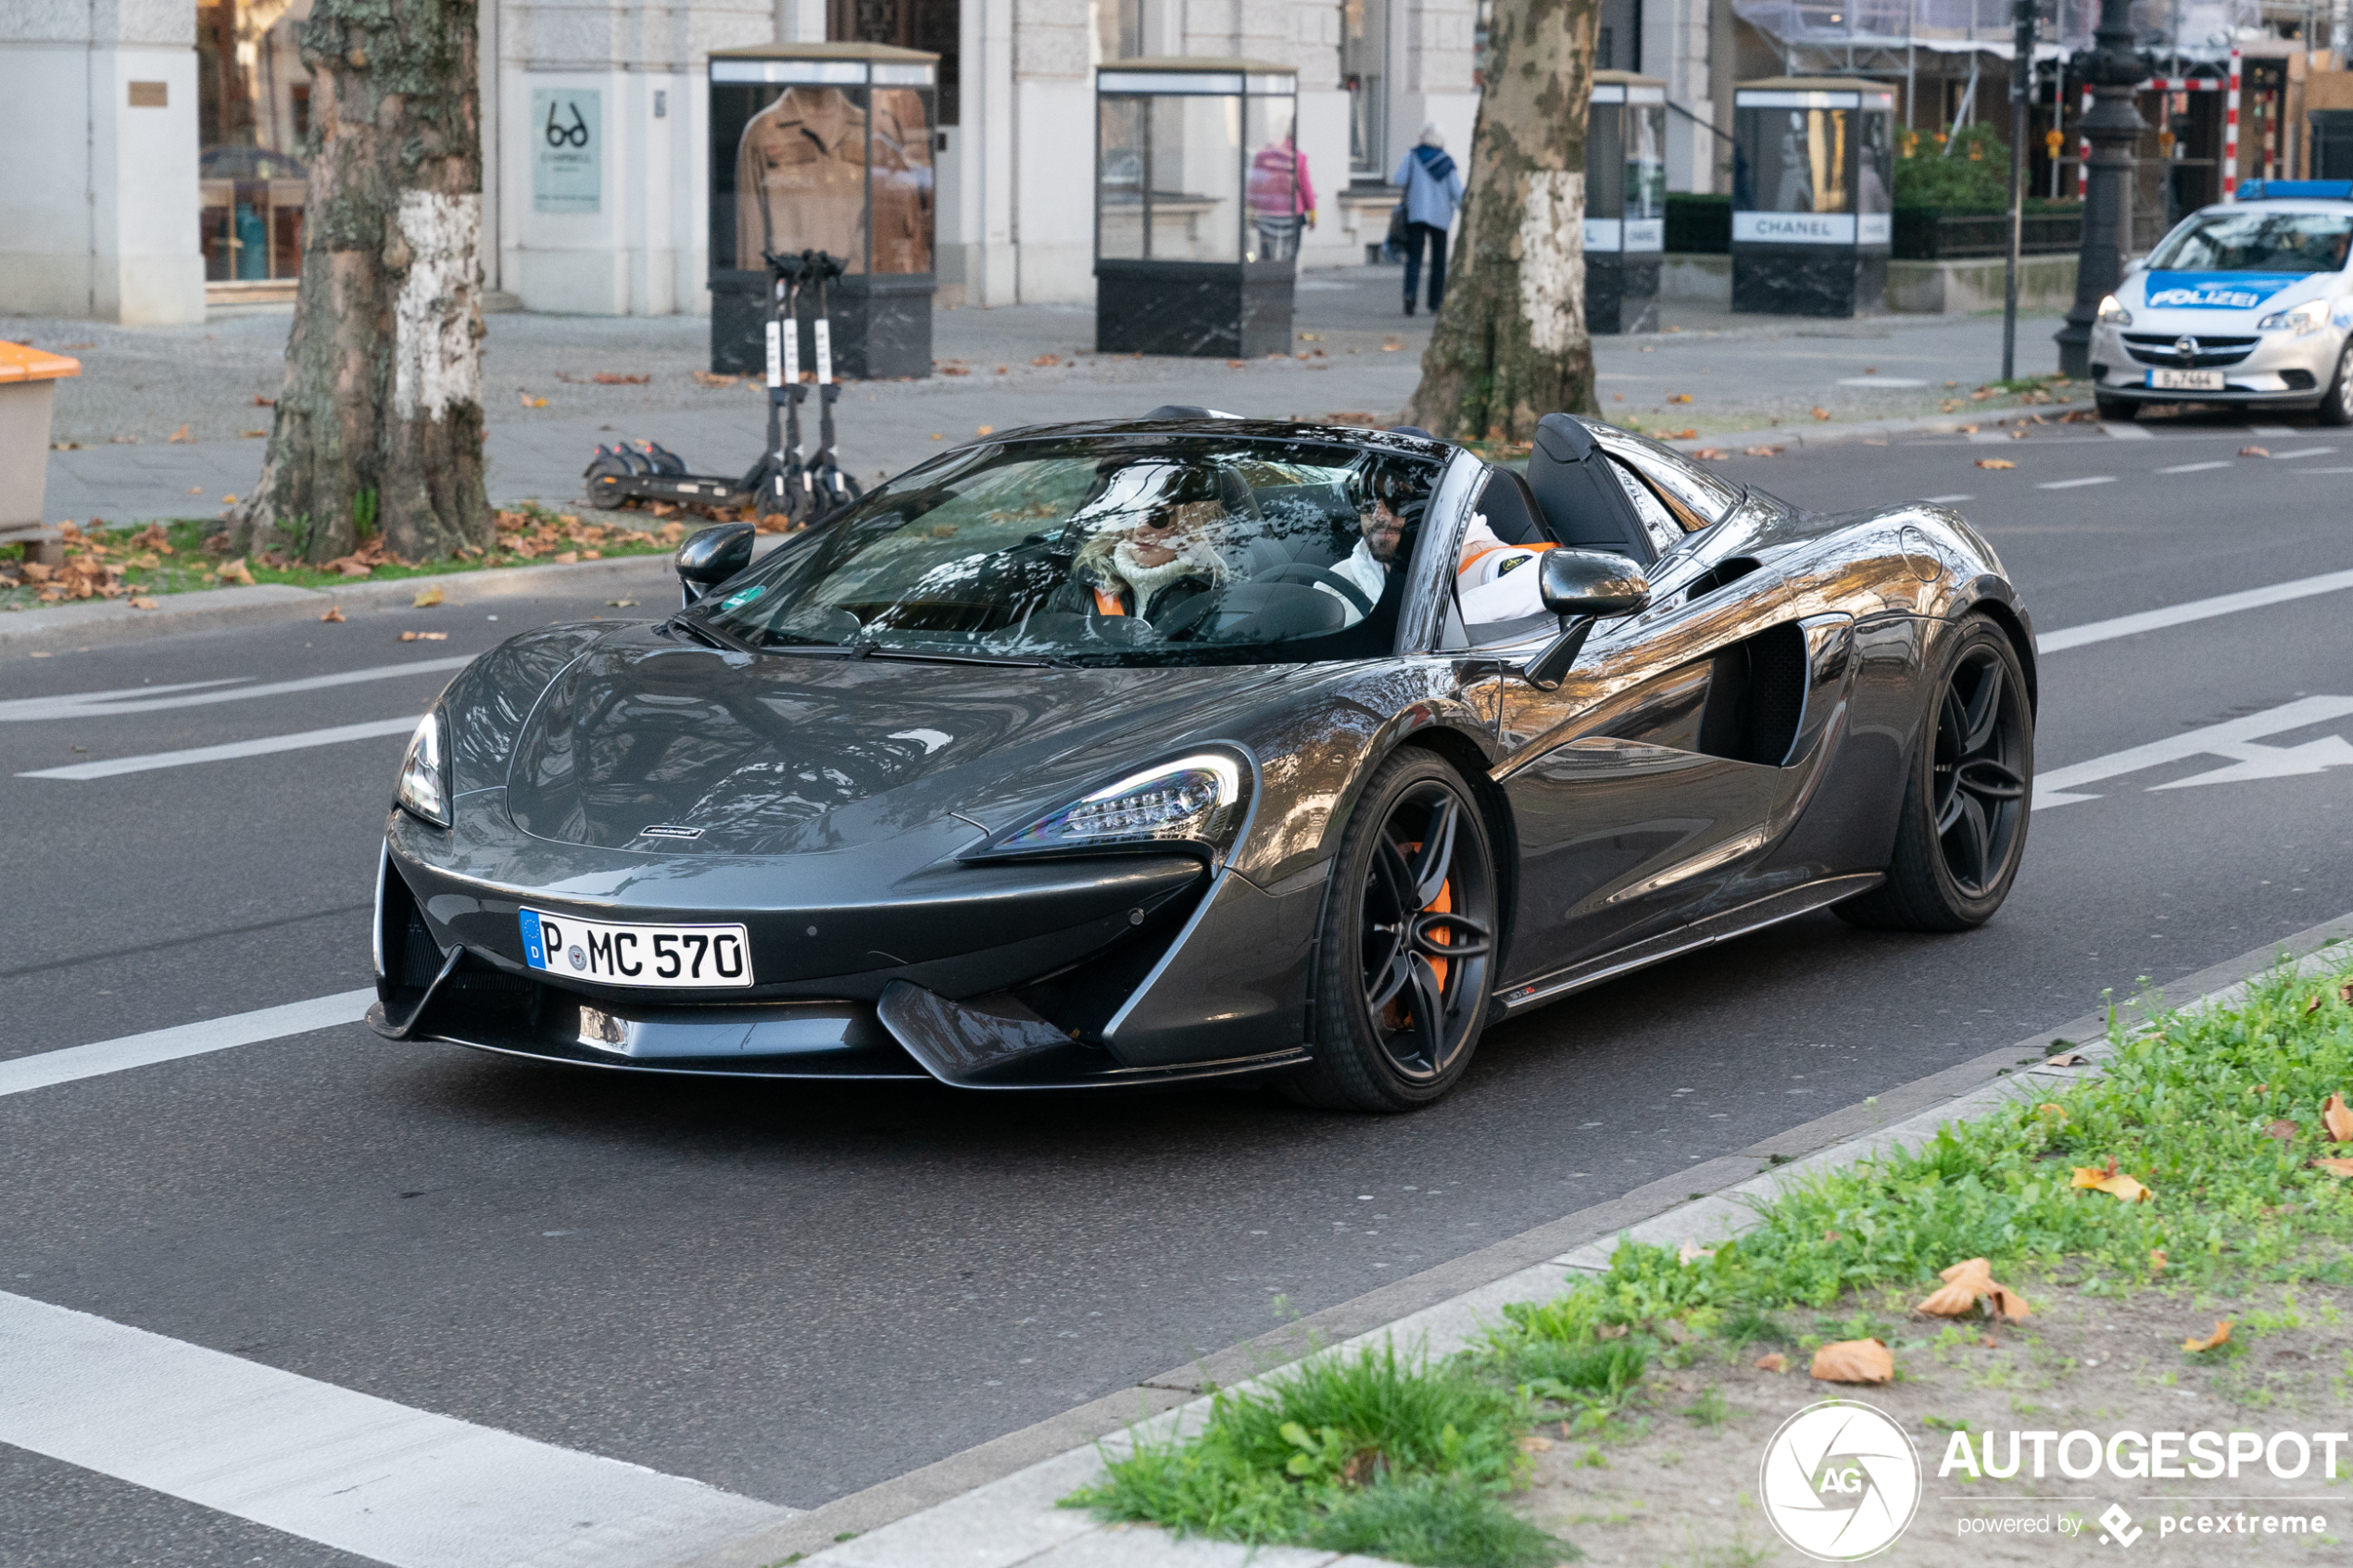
x=2195, y=468
x=261, y=747
x=1944, y=500
x=1986, y=437
x=2270, y=430
x=2302, y=452
x=2233, y=738
x=2077, y=483
x=348, y=1470
x=2128, y=432
x=2196, y=609
x=192, y=694
x=46, y=1068
x=2325, y=470
x=1878, y=381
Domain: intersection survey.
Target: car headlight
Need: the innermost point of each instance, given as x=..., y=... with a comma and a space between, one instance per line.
x=1197, y=800
x=2304, y=320
x=424, y=781
x=2113, y=314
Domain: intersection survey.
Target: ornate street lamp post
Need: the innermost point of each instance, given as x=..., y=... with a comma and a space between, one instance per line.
x=2114, y=129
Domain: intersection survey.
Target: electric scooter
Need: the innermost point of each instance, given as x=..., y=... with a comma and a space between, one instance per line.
x=782, y=482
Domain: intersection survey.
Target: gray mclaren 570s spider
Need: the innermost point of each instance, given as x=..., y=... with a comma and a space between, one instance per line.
x=1194, y=747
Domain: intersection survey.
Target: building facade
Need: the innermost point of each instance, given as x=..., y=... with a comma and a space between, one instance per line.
x=160, y=142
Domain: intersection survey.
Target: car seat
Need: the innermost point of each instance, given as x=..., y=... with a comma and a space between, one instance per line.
x=1584, y=504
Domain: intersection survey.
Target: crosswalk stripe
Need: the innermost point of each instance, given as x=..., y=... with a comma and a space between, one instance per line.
x=261, y=747
x=350, y=1471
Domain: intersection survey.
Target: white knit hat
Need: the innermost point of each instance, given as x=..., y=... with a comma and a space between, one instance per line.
x=1432, y=136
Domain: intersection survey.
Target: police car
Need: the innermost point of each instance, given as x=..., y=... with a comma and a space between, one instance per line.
x=2248, y=302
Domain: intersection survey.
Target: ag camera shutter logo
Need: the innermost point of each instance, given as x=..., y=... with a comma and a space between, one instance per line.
x=1839, y=1481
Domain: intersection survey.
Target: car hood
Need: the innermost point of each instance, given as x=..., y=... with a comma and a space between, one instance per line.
x=776, y=754
x=2217, y=301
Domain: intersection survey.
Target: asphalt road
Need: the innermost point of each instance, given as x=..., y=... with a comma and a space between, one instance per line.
x=794, y=1292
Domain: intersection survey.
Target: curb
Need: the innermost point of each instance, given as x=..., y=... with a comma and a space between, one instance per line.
x=1833, y=434
x=996, y=1505
x=112, y=622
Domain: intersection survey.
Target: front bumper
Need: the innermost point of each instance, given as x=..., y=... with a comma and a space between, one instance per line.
x=1122, y=969
x=2276, y=367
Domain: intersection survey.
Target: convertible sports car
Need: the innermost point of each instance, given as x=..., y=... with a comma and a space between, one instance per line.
x=1196, y=747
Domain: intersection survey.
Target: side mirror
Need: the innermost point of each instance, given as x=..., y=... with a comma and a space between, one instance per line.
x=1581, y=586
x=713, y=556
x=1592, y=582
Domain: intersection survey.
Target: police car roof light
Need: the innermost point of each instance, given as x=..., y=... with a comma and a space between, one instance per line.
x=2295, y=190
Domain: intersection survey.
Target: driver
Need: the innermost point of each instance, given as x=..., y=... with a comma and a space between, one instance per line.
x=1166, y=551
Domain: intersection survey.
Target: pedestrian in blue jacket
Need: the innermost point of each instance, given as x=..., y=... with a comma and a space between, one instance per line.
x=1433, y=190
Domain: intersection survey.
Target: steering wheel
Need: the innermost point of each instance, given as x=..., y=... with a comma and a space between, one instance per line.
x=1319, y=576
x=1187, y=617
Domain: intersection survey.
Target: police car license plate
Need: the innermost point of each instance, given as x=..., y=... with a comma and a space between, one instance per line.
x=2185, y=381
x=664, y=956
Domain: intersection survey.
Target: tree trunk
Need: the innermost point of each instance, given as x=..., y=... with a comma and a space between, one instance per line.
x=1510, y=344
x=379, y=428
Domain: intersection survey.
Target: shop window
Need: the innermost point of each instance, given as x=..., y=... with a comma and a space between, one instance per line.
x=930, y=25
x=253, y=116
x=1364, y=71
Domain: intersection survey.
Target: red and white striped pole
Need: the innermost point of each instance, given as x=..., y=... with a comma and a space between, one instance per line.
x=2231, y=131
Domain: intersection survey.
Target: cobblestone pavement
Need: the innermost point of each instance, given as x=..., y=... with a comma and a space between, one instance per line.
x=169, y=421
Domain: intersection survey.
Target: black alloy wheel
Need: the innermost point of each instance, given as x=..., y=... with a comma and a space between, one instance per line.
x=1403, y=962
x=1962, y=832
x=2336, y=403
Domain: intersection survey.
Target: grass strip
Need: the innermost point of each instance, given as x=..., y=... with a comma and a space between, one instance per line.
x=2220, y=1114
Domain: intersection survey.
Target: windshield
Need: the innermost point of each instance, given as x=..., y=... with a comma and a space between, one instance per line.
x=2258, y=241
x=1121, y=549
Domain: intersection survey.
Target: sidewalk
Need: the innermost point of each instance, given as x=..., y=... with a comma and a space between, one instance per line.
x=999, y=1506
x=142, y=386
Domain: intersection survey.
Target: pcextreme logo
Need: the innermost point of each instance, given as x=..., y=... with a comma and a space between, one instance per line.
x=1839, y=1481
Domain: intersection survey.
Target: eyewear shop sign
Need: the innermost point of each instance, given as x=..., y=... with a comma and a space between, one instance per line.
x=567, y=149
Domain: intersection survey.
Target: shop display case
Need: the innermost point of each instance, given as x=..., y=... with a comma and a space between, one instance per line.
x=825, y=146
x=1198, y=206
x=1813, y=196
x=1625, y=201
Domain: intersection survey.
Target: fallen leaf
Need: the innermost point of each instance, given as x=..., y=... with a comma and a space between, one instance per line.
x=1995, y=463
x=2112, y=1181
x=1775, y=1362
x=1693, y=1252
x=145, y=603
x=620, y=604
x=613, y=377
x=1854, y=1360
x=1709, y=453
x=2018, y=433
x=228, y=500
x=1820, y=413
x=1676, y=1330
x=1969, y=430
x=261, y=402
x=1056, y=359
x=2007, y=1305
x=356, y=569
x=1610, y=1331
x=2157, y=1259
x=955, y=369
x=234, y=571
x=1236, y=364
x=335, y=612
x=251, y=435
x=1763, y=451
x=1968, y=1283
x=2221, y=1336
x=2338, y=1119
x=2282, y=1129
x=1687, y=435
x=2313, y=1005
x=424, y=636
x=1532, y=1444
x=427, y=597
x=984, y=429
x=1989, y=1342
x=182, y=435
x=2068, y=1059
x=2255, y=451
x=531, y=402
x=937, y=436
x=1679, y=398
x=711, y=377
x=2335, y=1166
x=565, y=557
x=2345, y=992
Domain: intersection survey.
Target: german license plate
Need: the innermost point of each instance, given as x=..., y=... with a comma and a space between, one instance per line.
x=663, y=957
x=2185, y=381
